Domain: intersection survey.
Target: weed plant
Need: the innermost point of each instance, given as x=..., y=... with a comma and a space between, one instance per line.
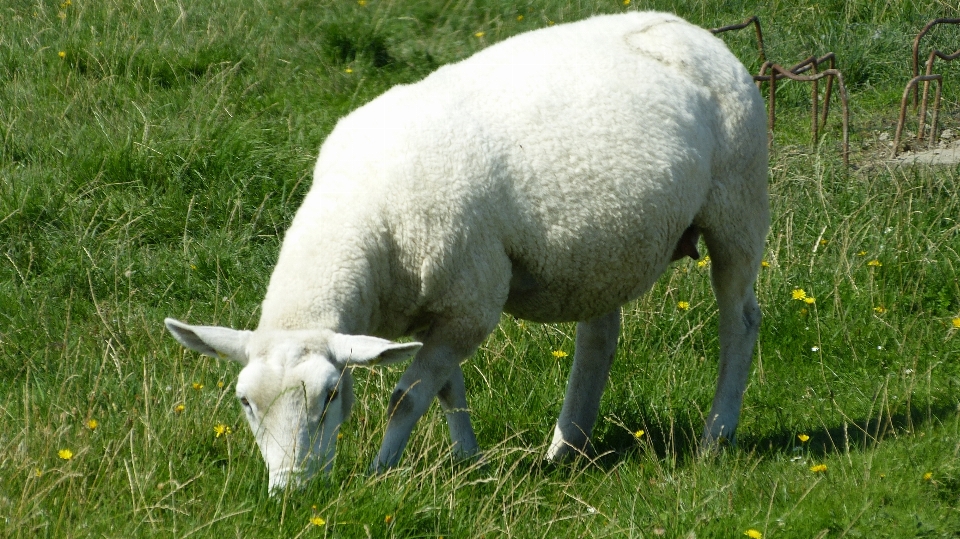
x=153, y=152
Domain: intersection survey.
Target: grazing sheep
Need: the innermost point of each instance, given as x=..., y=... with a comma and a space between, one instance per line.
x=553, y=176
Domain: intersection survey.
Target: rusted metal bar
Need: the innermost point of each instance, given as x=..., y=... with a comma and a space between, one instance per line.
x=916, y=50
x=811, y=63
x=912, y=85
x=755, y=21
x=778, y=72
x=796, y=72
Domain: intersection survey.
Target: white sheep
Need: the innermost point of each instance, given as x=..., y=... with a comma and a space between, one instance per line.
x=553, y=176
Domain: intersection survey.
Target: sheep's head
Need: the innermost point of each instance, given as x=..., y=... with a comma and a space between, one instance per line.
x=295, y=388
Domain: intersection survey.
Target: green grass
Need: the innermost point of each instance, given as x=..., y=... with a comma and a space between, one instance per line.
x=152, y=169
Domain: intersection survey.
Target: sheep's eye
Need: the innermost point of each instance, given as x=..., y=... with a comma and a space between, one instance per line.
x=331, y=396
x=245, y=402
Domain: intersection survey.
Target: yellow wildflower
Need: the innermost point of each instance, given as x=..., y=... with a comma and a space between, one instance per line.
x=956, y=323
x=928, y=476
x=638, y=434
x=753, y=534
x=37, y=472
x=179, y=408
x=222, y=430
x=220, y=384
x=704, y=262
x=478, y=34
x=559, y=354
x=388, y=519
x=348, y=70
x=879, y=309
x=519, y=18
x=874, y=263
x=818, y=468
x=764, y=264
x=803, y=438
x=862, y=253
x=809, y=300
x=62, y=54
x=626, y=2
x=93, y=424
x=315, y=520
x=65, y=454
x=362, y=3
x=197, y=386
x=798, y=294
x=683, y=305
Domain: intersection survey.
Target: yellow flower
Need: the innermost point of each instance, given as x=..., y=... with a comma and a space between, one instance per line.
x=198, y=386
x=222, y=430
x=764, y=264
x=93, y=424
x=65, y=454
x=704, y=262
x=362, y=3
x=818, y=468
x=549, y=23
x=683, y=305
x=348, y=70
x=519, y=18
x=638, y=434
x=928, y=476
x=179, y=408
x=478, y=34
x=798, y=294
x=315, y=520
x=824, y=242
x=559, y=354
x=803, y=438
x=62, y=54
x=956, y=323
x=388, y=519
x=193, y=267
x=220, y=384
x=809, y=300
x=861, y=253
x=626, y=2
x=879, y=309
x=753, y=534
x=37, y=472
x=874, y=263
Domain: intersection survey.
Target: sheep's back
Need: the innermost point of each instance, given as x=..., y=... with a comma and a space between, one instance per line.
x=568, y=159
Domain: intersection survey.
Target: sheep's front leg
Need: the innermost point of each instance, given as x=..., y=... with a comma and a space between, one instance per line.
x=595, y=348
x=453, y=400
x=435, y=371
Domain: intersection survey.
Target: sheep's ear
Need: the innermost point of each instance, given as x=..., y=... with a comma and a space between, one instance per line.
x=369, y=351
x=213, y=341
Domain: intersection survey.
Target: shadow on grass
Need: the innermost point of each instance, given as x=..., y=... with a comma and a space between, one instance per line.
x=679, y=439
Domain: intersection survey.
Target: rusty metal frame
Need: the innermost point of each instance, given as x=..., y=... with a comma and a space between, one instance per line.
x=796, y=72
x=913, y=86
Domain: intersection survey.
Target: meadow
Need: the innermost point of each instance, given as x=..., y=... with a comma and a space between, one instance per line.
x=152, y=153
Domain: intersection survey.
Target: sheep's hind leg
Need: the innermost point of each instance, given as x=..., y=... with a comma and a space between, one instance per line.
x=734, y=266
x=595, y=347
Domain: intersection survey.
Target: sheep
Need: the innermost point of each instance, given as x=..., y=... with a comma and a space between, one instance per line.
x=553, y=176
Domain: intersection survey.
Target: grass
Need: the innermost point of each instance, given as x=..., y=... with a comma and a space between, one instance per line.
x=153, y=153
